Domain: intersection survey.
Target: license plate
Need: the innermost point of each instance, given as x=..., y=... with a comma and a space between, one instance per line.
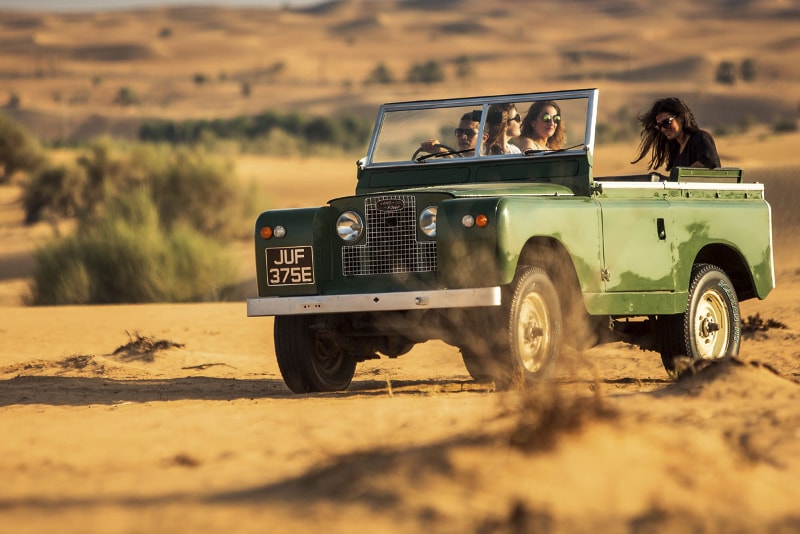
x=289, y=266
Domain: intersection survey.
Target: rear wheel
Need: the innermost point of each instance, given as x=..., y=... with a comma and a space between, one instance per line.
x=709, y=329
x=308, y=361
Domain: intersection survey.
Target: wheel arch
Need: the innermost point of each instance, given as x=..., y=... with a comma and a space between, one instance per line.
x=733, y=263
x=551, y=255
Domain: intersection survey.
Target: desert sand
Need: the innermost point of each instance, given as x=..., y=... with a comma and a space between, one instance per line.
x=174, y=417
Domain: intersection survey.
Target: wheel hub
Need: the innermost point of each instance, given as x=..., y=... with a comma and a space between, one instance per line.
x=711, y=336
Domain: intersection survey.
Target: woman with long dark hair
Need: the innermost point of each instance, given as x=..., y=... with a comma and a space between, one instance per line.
x=670, y=136
x=543, y=127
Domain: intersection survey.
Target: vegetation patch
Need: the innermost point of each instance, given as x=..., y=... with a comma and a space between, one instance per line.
x=143, y=348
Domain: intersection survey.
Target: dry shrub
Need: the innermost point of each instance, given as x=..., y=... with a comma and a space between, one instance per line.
x=126, y=256
x=143, y=348
x=755, y=323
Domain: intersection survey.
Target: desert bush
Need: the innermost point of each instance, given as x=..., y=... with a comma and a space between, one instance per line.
x=19, y=150
x=298, y=133
x=429, y=72
x=14, y=101
x=380, y=75
x=54, y=192
x=747, y=70
x=125, y=255
x=726, y=73
x=192, y=189
x=785, y=124
x=187, y=187
x=126, y=97
x=464, y=67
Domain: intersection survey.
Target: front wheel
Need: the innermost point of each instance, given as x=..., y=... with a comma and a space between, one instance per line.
x=310, y=362
x=709, y=329
x=534, y=329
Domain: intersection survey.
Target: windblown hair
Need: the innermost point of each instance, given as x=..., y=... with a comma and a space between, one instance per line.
x=661, y=149
x=558, y=138
x=497, y=126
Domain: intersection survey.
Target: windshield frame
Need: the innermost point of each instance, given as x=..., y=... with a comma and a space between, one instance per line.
x=583, y=140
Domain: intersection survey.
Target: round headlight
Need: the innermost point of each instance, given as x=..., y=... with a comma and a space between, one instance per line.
x=427, y=221
x=349, y=226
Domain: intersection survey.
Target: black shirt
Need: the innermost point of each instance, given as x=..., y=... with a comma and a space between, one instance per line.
x=700, y=147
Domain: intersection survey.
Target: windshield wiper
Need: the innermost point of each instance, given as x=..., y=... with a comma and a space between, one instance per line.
x=420, y=159
x=531, y=151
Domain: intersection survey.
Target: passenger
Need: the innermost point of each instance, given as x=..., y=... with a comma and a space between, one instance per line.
x=670, y=135
x=502, y=123
x=466, y=136
x=543, y=127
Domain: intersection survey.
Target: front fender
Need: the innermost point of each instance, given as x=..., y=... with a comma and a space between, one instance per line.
x=305, y=227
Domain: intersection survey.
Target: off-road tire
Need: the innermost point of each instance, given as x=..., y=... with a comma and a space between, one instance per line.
x=709, y=329
x=306, y=362
x=533, y=320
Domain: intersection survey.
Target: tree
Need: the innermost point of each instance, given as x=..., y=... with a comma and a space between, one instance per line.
x=126, y=97
x=464, y=67
x=380, y=74
x=726, y=73
x=430, y=72
x=19, y=150
x=747, y=70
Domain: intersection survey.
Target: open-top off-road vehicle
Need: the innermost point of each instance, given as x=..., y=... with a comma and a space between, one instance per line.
x=508, y=257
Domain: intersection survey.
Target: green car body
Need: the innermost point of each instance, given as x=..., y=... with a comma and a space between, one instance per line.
x=522, y=243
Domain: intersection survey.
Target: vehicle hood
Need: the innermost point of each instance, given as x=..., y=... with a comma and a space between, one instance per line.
x=490, y=190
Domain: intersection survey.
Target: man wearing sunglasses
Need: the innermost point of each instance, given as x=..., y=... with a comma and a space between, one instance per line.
x=466, y=135
x=671, y=136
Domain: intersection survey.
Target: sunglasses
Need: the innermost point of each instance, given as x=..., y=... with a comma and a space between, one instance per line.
x=470, y=133
x=517, y=119
x=551, y=118
x=666, y=123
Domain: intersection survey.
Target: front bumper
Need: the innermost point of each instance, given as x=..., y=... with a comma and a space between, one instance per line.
x=371, y=302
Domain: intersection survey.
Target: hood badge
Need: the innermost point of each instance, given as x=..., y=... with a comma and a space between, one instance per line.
x=390, y=204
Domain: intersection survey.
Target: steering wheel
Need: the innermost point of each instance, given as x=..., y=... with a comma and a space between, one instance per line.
x=448, y=151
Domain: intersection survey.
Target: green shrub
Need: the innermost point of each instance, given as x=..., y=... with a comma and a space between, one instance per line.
x=54, y=192
x=747, y=70
x=429, y=72
x=126, y=256
x=380, y=75
x=726, y=73
x=126, y=97
x=786, y=124
x=19, y=149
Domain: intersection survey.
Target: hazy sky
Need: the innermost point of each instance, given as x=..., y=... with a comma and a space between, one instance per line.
x=95, y=5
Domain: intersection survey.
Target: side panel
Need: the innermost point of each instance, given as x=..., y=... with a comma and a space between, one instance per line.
x=637, y=245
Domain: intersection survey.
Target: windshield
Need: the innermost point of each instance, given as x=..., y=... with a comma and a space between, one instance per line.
x=511, y=125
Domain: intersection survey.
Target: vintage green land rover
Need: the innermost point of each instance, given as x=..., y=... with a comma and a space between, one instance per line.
x=512, y=257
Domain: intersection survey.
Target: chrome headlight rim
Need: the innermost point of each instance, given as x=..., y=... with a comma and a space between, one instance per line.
x=427, y=221
x=349, y=226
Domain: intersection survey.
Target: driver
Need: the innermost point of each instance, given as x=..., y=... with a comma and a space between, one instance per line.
x=466, y=136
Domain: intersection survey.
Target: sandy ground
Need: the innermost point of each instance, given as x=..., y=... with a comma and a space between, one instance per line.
x=202, y=434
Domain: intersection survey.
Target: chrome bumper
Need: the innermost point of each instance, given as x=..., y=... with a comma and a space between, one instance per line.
x=370, y=302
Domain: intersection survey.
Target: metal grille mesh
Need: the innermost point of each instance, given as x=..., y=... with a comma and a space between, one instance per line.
x=391, y=242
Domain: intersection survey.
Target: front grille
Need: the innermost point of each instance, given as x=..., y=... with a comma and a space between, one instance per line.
x=391, y=240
